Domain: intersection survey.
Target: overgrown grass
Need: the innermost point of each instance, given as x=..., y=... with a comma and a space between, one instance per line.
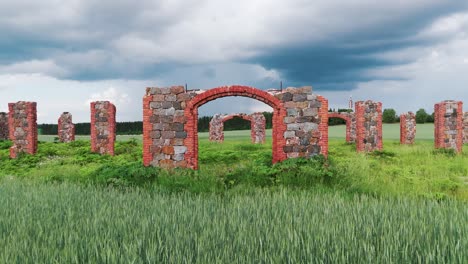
x=237, y=164
x=77, y=224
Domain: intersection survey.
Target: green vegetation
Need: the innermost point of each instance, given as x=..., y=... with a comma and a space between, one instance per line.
x=65, y=223
x=405, y=204
x=389, y=116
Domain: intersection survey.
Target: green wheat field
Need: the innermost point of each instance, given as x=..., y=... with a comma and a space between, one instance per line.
x=406, y=204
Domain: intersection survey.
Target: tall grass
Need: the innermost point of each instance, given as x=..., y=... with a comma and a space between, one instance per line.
x=63, y=223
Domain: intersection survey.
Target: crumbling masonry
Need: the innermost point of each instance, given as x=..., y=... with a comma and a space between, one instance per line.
x=350, y=119
x=368, y=126
x=407, y=128
x=257, y=126
x=66, y=128
x=448, y=124
x=103, y=127
x=465, y=128
x=170, y=138
x=23, y=127
x=4, y=135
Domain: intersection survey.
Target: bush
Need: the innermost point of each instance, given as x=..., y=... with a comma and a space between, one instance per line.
x=389, y=116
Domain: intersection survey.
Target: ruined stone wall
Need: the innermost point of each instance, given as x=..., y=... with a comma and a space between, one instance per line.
x=216, y=132
x=407, y=128
x=23, y=127
x=448, y=124
x=164, y=128
x=465, y=128
x=103, y=127
x=170, y=138
x=368, y=126
x=258, y=127
x=66, y=128
x=4, y=134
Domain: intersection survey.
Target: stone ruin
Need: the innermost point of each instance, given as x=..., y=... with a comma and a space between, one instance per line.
x=350, y=119
x=465, y=128
x=23, y=128
x=4, y=134
x=407, y=128
x=257, y=126
x=170, y=123
x=66, y=128
x=103, y=127
x=448, y=124
x=368, y=126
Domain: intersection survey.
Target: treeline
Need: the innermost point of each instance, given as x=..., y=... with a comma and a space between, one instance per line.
x=136, y=128
x=389, y=116
x=232, y=124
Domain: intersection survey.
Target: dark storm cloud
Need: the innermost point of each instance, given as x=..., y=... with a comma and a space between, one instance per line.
x=341, y=61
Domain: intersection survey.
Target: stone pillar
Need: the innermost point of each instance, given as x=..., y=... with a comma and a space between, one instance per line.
x=448, y=122
x=407, y=128
x=103, y=127
x=465, y=128
x=66, y=128
x=351, y=131
x=368, y=126
x=258, y=126
x=217, y=128
x=164, y=126
x=4, y=135
x=23, y=127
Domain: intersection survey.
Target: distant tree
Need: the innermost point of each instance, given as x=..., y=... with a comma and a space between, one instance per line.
x=389, y=116
x=421, y=116
x=430, y=118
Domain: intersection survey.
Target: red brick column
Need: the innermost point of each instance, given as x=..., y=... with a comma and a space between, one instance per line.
x=323, y=126
x=368, y=126
x=103, y=127
x=448, y=122
x=23, y=127
x=66, y=128
x=407, y=128
x=4, y=134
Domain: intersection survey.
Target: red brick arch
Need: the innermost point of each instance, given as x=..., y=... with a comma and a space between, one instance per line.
x=191, y=112
x=243, y=116
x=348, y=121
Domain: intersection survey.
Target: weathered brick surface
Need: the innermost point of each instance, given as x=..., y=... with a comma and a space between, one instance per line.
x=257, y=126
x=350, y=119
x=465, y=128
x=66, y=128
x=4, y=134
x=23, y=127
x=103, y=127
x=448, y=125
x=170, y=138
x=407, y=128
x=368, y=126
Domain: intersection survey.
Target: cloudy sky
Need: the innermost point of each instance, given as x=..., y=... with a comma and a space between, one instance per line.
x=64, y=54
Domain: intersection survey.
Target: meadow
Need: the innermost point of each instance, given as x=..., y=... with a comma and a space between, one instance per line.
x=405, y=204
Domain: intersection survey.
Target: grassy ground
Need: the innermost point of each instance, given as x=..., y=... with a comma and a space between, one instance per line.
x=85, y=224
x=407, y=204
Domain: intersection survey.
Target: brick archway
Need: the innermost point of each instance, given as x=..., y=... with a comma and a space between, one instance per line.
x=350, y=120
x=170, y=122
x=191, y=112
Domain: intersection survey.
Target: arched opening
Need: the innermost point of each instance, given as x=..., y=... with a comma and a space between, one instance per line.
x=348, y=120
x=191, y=112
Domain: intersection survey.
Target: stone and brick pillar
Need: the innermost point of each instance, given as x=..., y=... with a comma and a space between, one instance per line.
x=465, y=128
x=164, y=126
x=4, y=135
x=258, y=127
x=407, y=128
x=22, y=121
x=216, y=131
x=448, y=122
x=103, y=127
x=66, y=128
x=368, y=126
